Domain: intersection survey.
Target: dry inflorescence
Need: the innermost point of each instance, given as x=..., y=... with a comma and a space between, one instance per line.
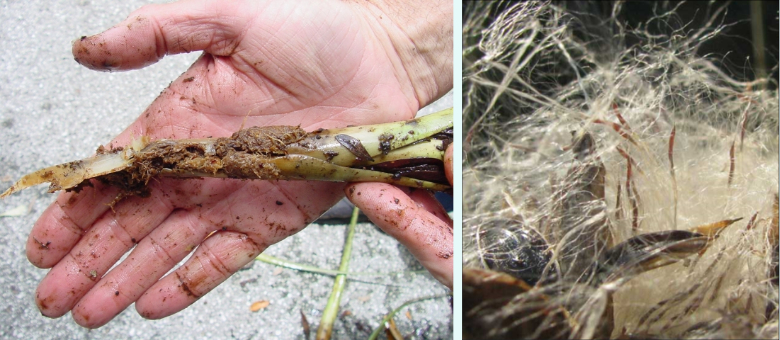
x=613, y=190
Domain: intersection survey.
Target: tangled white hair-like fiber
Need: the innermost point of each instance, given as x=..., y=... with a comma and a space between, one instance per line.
x=576, y=141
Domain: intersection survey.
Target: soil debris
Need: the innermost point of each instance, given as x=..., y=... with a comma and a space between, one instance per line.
x=241, y=155
x=266, y=140
x=384, y=143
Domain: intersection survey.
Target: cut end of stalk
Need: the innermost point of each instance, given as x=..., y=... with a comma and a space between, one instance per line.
x=69, y=175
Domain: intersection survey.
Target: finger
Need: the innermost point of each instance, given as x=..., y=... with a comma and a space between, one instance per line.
x=268, y=211
x=427, y=201
x=153, y=31
x=221, y=255
x=64, y=222
x=112, y=235
x=448, y=159
x=427, y=237
x=154, y=256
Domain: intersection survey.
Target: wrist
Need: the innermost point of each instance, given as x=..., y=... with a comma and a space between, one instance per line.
x=419, y=34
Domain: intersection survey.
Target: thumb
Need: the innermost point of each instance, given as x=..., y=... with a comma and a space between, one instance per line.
x=153, y=31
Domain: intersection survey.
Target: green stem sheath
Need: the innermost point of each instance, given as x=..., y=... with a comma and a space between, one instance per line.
x=332, y=308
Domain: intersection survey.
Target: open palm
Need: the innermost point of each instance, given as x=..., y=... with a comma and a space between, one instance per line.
x=309, y=64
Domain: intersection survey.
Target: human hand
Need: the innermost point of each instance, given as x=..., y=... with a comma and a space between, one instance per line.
x=414, y=217
x=323, y=64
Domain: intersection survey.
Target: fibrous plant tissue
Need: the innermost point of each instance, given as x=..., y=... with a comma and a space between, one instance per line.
x=576, y=141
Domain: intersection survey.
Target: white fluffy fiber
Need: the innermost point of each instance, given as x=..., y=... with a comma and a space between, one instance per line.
x=534, y=76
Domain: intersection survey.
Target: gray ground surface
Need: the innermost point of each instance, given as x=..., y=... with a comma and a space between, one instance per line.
x=52, y=111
